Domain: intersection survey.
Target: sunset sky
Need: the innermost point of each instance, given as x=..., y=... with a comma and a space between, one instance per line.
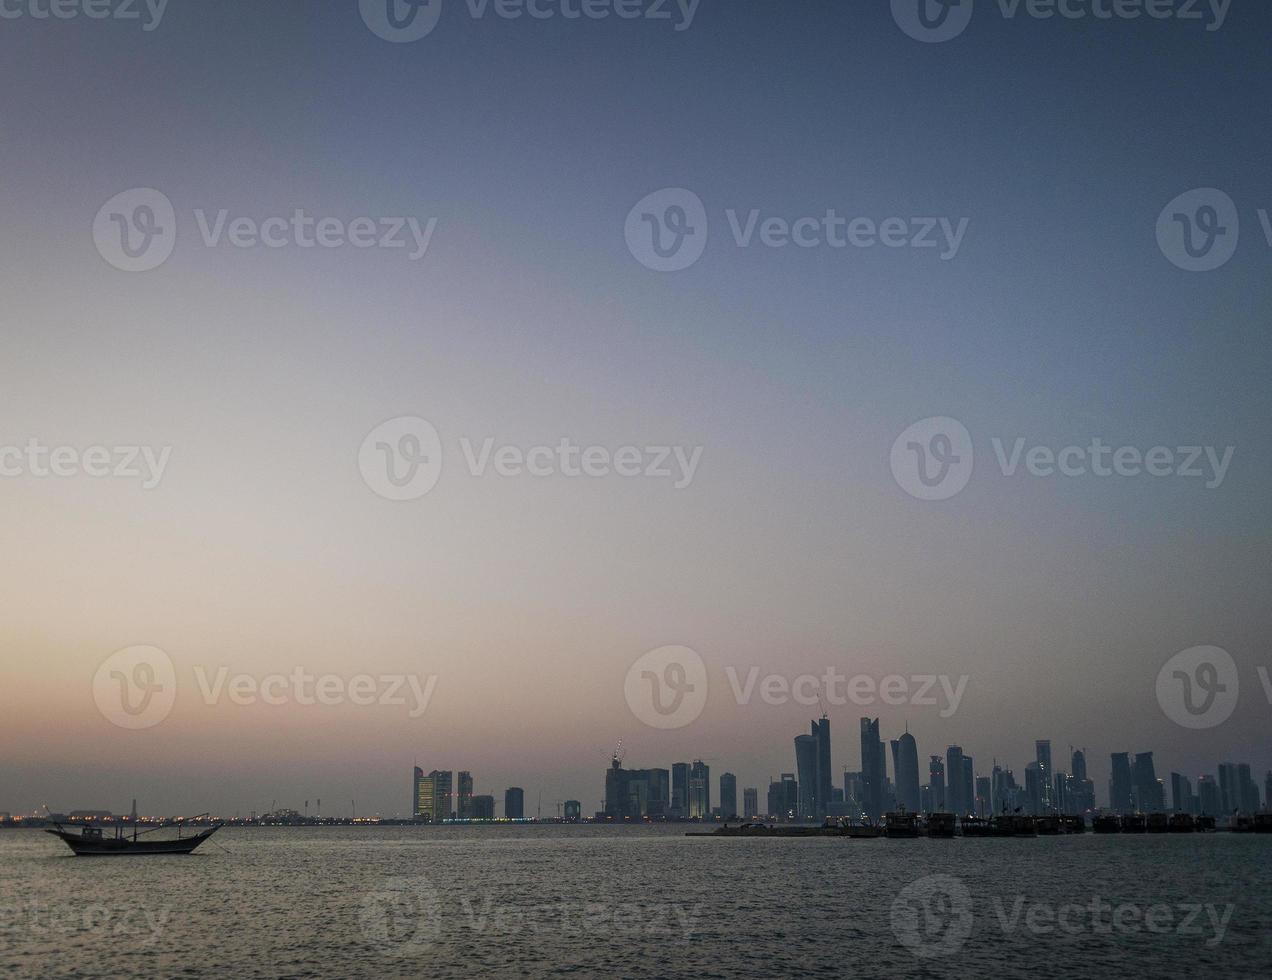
x=528, y=320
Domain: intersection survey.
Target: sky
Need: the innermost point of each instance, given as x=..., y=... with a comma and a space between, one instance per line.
x=257, y=536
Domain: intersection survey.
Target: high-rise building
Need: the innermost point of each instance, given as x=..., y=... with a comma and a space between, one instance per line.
x=1148, y=793
x=854, y=795
x=872, y=771
x=465, y=781
x=905, y=764
x=1247, y=789
x=1180, y=793
x=635, y=794
x=750, y=803
x=1033, y=788
x=1046, y=776
x=968, y=792
x=954, y=801
x=806, y=766
x=1083, y=791
x=984, y=791
x=514, y=803
x=680, y=791
x=1209, y=799
x=699, y=790
x=936, y=783
x=783, y=798
x=573, y=811
x=432, y=795
x=1121, y=785
x=728, y=795
x=484, y=807
x=1267, y=791
x=821, y=732
x=1229, y=794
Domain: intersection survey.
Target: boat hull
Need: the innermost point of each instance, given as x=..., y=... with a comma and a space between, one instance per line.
x=119, y=847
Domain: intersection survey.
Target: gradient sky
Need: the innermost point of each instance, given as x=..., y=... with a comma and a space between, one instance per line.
x=793, y=549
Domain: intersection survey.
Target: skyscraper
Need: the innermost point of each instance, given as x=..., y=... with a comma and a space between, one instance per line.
x=806, y=766
x=872, y=776
x=1147, y=790
x=680, y=791
x=1046, y=776
x=750, y=803
x=432, y=794
x=936, y=782
x=954, y=801
x=1121, y=786
x=1209, y=799
x=483, y=807
x=465, y=788
x=1180, y=793
x=783, y=797
x=728, y=795
x=1084, y=789
x=821, y=732
x=905, y=764
x=514, y=803
x=968, y=792
x=699, y=790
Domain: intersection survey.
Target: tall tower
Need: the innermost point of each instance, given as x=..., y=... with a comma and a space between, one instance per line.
x=821, y=732
x=871, y=768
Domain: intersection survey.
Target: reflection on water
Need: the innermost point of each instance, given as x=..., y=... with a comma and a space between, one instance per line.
x=464, y=901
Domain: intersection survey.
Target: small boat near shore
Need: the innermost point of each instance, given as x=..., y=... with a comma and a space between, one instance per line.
x=91, y=842
x=901, y=823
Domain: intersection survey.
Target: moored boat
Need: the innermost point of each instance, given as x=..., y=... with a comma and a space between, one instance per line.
x=1133, y=823
x=940, y=825
x=901, y=823
x=1158, y=823
x=91, y=842
x=1106, y=823
x=1182, y=823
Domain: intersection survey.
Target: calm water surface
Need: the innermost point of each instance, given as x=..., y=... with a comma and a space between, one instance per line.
x=637, y=902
